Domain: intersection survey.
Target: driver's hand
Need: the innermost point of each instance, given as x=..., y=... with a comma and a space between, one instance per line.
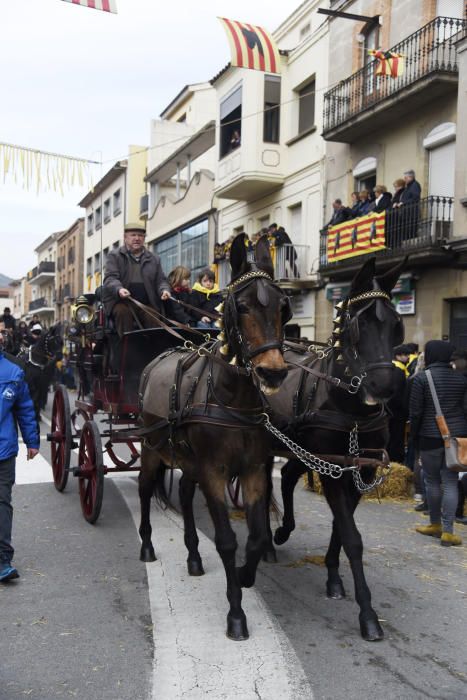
x=123, y=293
x=165, y=295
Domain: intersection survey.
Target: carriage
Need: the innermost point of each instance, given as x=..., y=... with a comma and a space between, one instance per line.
x=105, y=413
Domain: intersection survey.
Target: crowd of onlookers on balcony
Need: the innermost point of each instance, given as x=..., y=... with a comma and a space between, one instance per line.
x=407, y=191
x=415, y=439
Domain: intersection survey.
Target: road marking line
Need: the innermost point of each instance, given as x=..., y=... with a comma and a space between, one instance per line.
x=46, y=420
x=36, y=471
x=193, y=657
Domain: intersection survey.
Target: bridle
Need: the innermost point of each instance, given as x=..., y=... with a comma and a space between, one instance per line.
x=347, y=326
x=45, y=352
x=236, y=342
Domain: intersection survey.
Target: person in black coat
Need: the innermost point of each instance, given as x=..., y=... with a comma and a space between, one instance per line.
x=382, y=200
x=441, y=484
x=340, y=214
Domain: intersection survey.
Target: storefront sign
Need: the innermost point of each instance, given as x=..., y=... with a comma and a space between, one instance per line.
x=405, y=303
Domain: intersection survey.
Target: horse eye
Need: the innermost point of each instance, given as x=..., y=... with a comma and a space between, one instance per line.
x=242, y=308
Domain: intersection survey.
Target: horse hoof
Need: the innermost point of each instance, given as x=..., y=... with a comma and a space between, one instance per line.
x=148, y=554
x=237, y=629
x=270, y=556
x=281, y=535
x=195, y=567
x=371, y=630
x=335, y=590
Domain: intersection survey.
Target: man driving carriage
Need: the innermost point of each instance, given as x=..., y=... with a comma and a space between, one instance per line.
x=132, y=270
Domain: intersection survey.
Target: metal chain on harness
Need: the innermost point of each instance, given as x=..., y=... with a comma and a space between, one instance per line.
x=321, y=466
x=354, y=450
x=312, y=462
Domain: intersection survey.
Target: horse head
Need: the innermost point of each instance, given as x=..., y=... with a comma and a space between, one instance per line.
x=367, y=328
x=51, y=342
x=254, y=314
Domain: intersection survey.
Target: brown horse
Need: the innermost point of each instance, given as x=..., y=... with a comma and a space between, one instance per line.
x=204, y=413
x=335, y=412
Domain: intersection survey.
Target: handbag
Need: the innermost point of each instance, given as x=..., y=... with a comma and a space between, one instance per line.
x=455, y=448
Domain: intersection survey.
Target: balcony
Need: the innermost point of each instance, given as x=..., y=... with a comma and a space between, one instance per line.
x=365, y=102
x=249, y=173
x=44, y=272
x=420, y=231
x=41, y=306
x=291, y=267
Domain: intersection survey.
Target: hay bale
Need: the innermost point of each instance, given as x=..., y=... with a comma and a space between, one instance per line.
x=399, y=484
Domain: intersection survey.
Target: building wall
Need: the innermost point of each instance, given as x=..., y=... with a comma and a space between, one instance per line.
x=69, y=276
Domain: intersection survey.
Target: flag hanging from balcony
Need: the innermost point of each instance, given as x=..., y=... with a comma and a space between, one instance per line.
x=390, y=64
x=104, y=5
x=251, y=46
x=356, y=237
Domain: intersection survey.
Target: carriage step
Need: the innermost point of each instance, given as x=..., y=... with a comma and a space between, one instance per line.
x=74, y=445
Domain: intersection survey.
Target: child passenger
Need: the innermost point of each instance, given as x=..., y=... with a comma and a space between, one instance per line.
x=179, y=280
x=206, y=296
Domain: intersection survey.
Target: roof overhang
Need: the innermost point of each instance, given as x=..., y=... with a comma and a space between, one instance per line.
x=110, y=176
x=199, y=143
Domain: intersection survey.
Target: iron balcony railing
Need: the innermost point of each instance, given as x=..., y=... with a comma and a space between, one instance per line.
x=430, y=49
x=291, y=262
x=41, y=303
x=419, y=226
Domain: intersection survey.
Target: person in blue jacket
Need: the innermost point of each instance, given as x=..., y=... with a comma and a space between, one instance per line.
x=15, y=407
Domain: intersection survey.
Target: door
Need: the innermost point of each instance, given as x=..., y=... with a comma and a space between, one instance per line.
x=458, y=324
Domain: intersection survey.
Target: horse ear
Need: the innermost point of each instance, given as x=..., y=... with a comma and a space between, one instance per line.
x=363, y=280
x=238, y=250
x=388, y=280
x=263, y=256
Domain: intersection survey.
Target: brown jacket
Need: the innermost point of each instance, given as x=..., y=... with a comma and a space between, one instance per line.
x=117, y=276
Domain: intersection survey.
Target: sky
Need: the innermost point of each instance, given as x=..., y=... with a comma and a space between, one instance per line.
x=86, y=83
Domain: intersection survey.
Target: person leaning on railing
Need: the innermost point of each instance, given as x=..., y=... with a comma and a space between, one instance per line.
x=382, y=200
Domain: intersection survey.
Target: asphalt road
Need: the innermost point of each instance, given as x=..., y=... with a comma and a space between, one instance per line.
x=78, y=623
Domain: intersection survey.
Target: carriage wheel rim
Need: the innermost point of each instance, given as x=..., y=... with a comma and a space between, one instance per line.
x=90, y=484
x=60, y=445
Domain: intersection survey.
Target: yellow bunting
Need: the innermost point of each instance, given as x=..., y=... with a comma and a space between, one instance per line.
x=41, y=169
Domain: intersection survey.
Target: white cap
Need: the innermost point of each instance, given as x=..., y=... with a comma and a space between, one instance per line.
x=36, y=327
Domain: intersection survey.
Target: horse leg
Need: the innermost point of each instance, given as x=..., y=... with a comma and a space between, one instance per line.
x=342, y=509
x=334, y=585
x=226, y=545
x=186, y=491
x=291, y=472
x=150, y=462
x=269, y=554
x=254, y=488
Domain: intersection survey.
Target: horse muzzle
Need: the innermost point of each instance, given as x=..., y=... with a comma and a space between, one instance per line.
x=270, y=378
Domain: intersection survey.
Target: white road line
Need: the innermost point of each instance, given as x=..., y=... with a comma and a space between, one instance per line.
x=193, y=657
x=46, y=420
x=36, y=471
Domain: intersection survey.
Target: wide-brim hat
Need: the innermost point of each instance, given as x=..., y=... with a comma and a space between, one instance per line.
x=135, y=227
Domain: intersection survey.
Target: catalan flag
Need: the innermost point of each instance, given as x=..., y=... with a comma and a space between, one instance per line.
x=356, y=237
x=104, y=5
x=390, y=64
x=251, y=46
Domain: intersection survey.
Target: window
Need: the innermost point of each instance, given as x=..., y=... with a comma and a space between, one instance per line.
x=117, y=203
x=231, y=122
x=107, y=211
x=105, y=253
x=188, y=247
x=272, y=110
x=71, y=256
x=97, y=262
x=89, y=266
x=306, y=107
x=371, y=42
x=365, y=174
x=90, y=224
x=98, y=218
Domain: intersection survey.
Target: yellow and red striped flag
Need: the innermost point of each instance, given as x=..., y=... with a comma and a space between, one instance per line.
x=390, y=64
x=104, y=5
x=356, y=237
x=251, y=46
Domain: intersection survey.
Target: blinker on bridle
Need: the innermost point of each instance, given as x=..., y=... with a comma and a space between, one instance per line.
x=344, y=321
x=263, y=297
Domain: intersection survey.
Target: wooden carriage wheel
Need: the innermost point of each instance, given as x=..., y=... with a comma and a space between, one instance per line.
x=60, y=437
x=91, y=472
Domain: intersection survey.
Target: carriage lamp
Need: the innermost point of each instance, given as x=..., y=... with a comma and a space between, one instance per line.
x=84, y=313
